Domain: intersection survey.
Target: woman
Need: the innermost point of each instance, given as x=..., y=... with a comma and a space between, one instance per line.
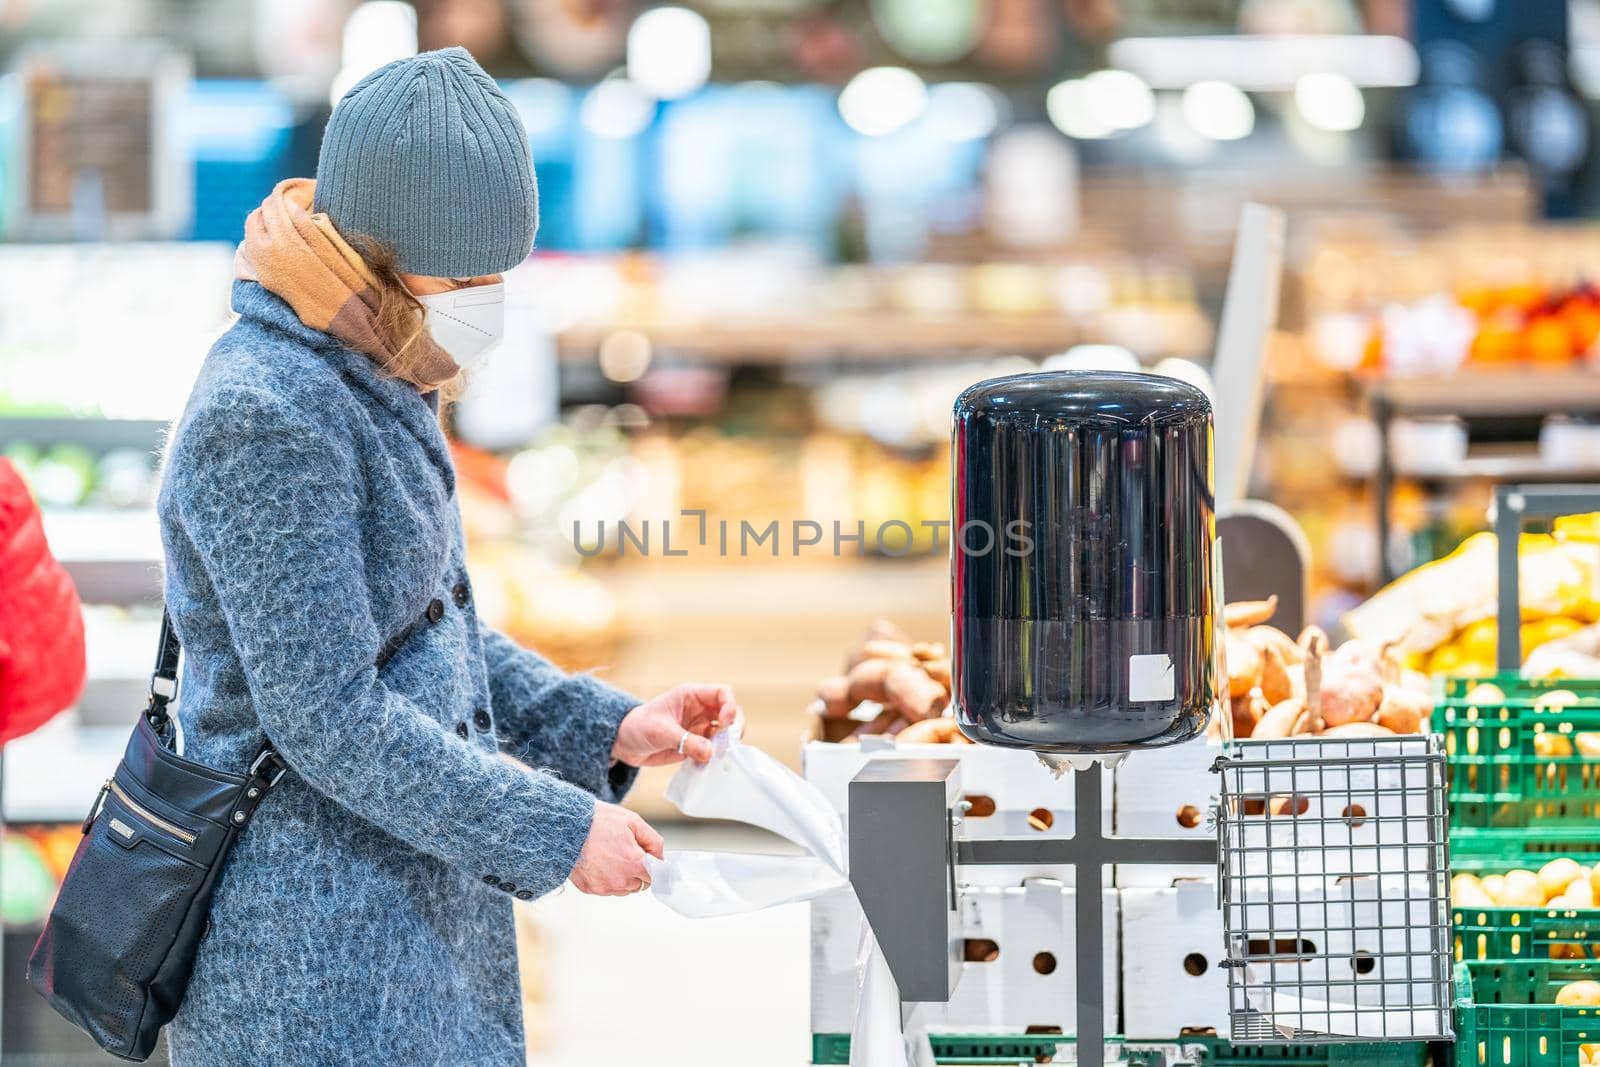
x=316, y=578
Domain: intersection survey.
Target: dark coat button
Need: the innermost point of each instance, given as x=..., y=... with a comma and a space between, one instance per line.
x=461, y=594
x=435, y=609
x=509, y=887
x=490, y=879
x=524, y=894
x=481, y=720
x=461, y=730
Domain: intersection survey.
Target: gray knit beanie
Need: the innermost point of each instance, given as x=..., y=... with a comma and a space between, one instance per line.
x=428, y=156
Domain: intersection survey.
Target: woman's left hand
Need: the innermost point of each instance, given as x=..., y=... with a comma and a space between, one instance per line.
x=676, y=725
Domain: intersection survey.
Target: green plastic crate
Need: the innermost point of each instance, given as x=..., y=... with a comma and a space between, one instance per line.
x=1525, y=933
x=1500, y=787
x=1041, y=1048
x=1505, y=1018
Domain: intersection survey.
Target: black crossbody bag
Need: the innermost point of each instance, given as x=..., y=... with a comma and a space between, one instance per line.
x=119, y=945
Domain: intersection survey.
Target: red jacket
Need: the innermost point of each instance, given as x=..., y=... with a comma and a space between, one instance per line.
x=41, y=622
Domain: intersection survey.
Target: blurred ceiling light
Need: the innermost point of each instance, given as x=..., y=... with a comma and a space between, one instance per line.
x=1266, y=62
x=1329, y=101
x=669, y=52
x=617, y=108
x=930, y=31
x=881, y=100
x=624, y=355
x=1174, y=134
x=1218, y=110
x=1119, y=99
x=1067, y=104
x=377, y=32
x=964, y=111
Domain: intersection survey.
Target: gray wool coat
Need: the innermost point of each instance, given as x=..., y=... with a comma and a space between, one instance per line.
x=309, y=516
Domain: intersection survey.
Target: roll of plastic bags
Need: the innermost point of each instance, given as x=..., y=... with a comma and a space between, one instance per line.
x=746, y=785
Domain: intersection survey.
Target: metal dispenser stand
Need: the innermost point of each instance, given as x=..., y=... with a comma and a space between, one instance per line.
x=905, y=860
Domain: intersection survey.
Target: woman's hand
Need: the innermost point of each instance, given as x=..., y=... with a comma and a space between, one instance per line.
x=612, y=861
x=675, y=725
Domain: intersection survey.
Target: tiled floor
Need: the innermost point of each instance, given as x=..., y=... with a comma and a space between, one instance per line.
x=630, y=982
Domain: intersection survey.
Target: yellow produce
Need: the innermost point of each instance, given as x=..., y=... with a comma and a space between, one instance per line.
x=1588, y=1054
x=1589, y=745
x=1577, y=895
x=1522, y=890
x=1550, y=745
x=1579, y=994
x=1467, y=892
x=1485, y=693
x=1594, y=881
x=1555, y=699
x=1494, y=885
x=1555, y=876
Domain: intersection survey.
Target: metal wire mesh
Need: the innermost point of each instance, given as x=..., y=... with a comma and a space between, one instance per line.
x=1334, y=880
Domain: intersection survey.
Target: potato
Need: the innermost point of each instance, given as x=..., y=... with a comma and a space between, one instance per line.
x=1584, y=994
x=1403, y=710
x=1494, y=885
x=1555, y=699
x=1249, y=612
x=1522, y=890
x=908, y=690
x=1244, y=666
x=928, y=650
x=1485, y=693
x=1284, y=719
x=1275, y=683
x=1588, y=1055
x=1265, y=637
x=1466, y=891
x=1594, y=881
x=1588, y=745
x=834, y=696
x=1358, y=729
x=866, y=680
x=1555, y=876
x=1551, y=745
x=881, y=648
x=1578, y=894
x=940, y=731
x=939, y=671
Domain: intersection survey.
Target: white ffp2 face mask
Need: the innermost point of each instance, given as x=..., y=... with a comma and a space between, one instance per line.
x=467, y=323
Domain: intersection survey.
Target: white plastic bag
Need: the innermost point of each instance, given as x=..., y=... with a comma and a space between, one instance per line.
x=747, y=785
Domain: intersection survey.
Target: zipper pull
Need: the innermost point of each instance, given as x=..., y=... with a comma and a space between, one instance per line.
x=99, y=802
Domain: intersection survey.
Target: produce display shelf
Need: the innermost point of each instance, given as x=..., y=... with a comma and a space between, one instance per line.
x=1517, y=765
x=1525, y=933
x=1505, y=1016
x=1139, y=1052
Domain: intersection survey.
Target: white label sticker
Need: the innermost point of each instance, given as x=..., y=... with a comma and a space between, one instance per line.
x=122, y=828
x=1151, y=677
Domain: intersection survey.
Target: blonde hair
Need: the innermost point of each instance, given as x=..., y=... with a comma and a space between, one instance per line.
x=398, y=317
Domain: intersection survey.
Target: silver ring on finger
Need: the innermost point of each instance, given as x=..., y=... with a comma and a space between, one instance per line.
x=642, y=886
x=683, y=742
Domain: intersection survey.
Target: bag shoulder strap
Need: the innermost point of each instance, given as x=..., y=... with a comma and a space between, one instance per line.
x=267, y=768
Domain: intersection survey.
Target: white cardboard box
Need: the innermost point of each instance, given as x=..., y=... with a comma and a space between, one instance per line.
x=1167, y=792
x=1032, y=981
x=1368, y=946
x=1018, y=784
x=1172, y=950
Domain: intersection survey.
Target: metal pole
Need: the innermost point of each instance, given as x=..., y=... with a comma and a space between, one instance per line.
x=1091, y=919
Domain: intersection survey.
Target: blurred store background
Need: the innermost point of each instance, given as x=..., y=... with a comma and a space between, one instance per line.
x=778, y=237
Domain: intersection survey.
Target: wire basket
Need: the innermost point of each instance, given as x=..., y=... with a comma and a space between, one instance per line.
x=1334, y=880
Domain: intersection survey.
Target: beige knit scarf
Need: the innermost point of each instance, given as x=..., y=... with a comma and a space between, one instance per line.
x=300, y=257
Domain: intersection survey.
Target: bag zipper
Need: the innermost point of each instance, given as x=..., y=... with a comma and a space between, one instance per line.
x=186, y=836
x=94, y=809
